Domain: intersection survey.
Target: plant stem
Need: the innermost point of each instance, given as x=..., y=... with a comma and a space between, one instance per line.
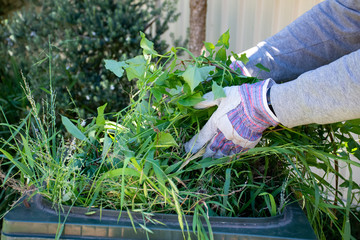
x=336, y=163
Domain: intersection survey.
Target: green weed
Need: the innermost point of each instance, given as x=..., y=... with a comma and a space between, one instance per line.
x=134, y=160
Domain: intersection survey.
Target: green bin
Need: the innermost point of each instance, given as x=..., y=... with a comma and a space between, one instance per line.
x=38, y=220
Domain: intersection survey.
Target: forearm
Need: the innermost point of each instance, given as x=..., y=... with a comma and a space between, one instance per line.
x=325, y=95
x=325, y=33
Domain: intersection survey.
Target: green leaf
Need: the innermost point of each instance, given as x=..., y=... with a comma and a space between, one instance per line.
x=45, y=90
x=160, y=80
x=192, y=100
x=23, y=168
x=218, y=91
x=135, y=164
x=347, y=230
x=90, y=213
x=159, y=173
x=351, y=126
x=207, y=220
x=270, y=202
x=116, y=67
x=260, y=66
x=175, y=91
x=106, y=146
x=72, y=129
x=224, y=40
x=353, y=122
x=100, y=119
x=221, y=55
x=178, y=209
x=357, y=153
x=243, y=58
x=27, y=150
x=7, y=155
x=226, y=187
x=115, y=127
x=193, y=75
x=136, y=68
x=121, y=171
x=146, y=45
x=347, y=183
x=209, y=47
x=164, y=139
x=157, y=94
x=173, y=64
x=124, y=170
x=145, y=228
x=131, y=219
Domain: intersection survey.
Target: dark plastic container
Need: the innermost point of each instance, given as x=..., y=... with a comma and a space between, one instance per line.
x=38, y=220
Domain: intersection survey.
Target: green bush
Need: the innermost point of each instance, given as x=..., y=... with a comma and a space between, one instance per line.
x=76, y=36
x=7, y=6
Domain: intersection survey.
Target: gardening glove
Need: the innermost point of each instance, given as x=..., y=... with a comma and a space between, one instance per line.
x=237, y=124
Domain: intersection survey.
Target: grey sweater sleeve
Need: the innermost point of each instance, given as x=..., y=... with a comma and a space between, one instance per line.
x=325, y=95
x=319, y=53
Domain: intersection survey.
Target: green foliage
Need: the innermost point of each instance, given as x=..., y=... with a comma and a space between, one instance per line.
x=134, y=160
x=80, y=34
x=7, y=6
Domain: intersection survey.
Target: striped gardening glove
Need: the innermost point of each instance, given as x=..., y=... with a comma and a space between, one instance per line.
x=237, y=124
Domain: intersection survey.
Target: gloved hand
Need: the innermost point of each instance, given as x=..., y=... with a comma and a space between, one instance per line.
x=237, y=124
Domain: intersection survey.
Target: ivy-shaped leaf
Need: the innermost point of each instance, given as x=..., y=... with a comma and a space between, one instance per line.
x=243, y=58
x=175, y=91
x=116, y=67
x=192, y=100
x=100, y=119
x=218, y=91
x=157, y=94
x=146, y=45
x=224, y=40
x=209, y=47
x=164, y=139
x=136, y=68
x=221, y=54
x=194, y=75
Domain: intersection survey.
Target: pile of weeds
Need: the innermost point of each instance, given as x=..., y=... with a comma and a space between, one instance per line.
x=134, y=160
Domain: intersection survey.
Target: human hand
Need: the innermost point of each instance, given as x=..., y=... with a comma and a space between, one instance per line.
x=238, y=123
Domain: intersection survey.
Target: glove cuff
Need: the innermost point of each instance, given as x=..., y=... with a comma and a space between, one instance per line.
x=253, y=98
x=235, y=65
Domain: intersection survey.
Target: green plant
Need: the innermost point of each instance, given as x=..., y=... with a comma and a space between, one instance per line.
x=8, y=6
x=134, y=160
x=82, y=34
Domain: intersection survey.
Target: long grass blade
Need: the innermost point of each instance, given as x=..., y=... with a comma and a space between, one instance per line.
x=71, y=128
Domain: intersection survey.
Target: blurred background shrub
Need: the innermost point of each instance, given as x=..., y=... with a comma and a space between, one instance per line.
x=8, y=6
x=77, y=35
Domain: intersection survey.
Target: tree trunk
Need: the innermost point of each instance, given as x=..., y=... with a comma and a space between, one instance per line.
x=197, y=25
